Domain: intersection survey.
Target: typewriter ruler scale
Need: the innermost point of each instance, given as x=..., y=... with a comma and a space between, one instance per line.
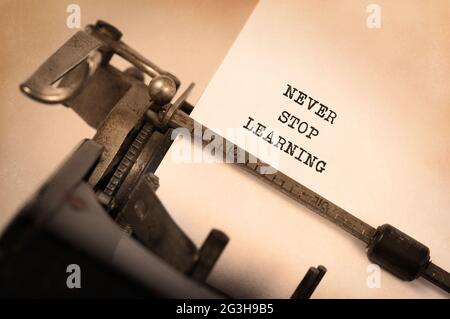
x=153, y=110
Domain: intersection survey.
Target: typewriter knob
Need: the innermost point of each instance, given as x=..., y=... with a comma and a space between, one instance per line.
x=162, y=89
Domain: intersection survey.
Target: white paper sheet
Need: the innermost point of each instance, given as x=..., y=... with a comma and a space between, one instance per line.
x=382, y=131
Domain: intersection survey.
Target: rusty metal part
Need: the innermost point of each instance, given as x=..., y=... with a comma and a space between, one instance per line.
x=84, y=52
x=147, y=162
x=41, y=85
x=125, y=51
x=102, y=92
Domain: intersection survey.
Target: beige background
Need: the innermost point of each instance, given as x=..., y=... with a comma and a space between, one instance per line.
x=273, y=241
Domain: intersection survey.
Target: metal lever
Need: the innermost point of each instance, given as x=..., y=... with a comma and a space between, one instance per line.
x=309, y=283
x=82, y=53
x=73, y=54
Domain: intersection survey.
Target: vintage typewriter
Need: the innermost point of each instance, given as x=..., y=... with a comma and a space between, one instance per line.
x=100, y=210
